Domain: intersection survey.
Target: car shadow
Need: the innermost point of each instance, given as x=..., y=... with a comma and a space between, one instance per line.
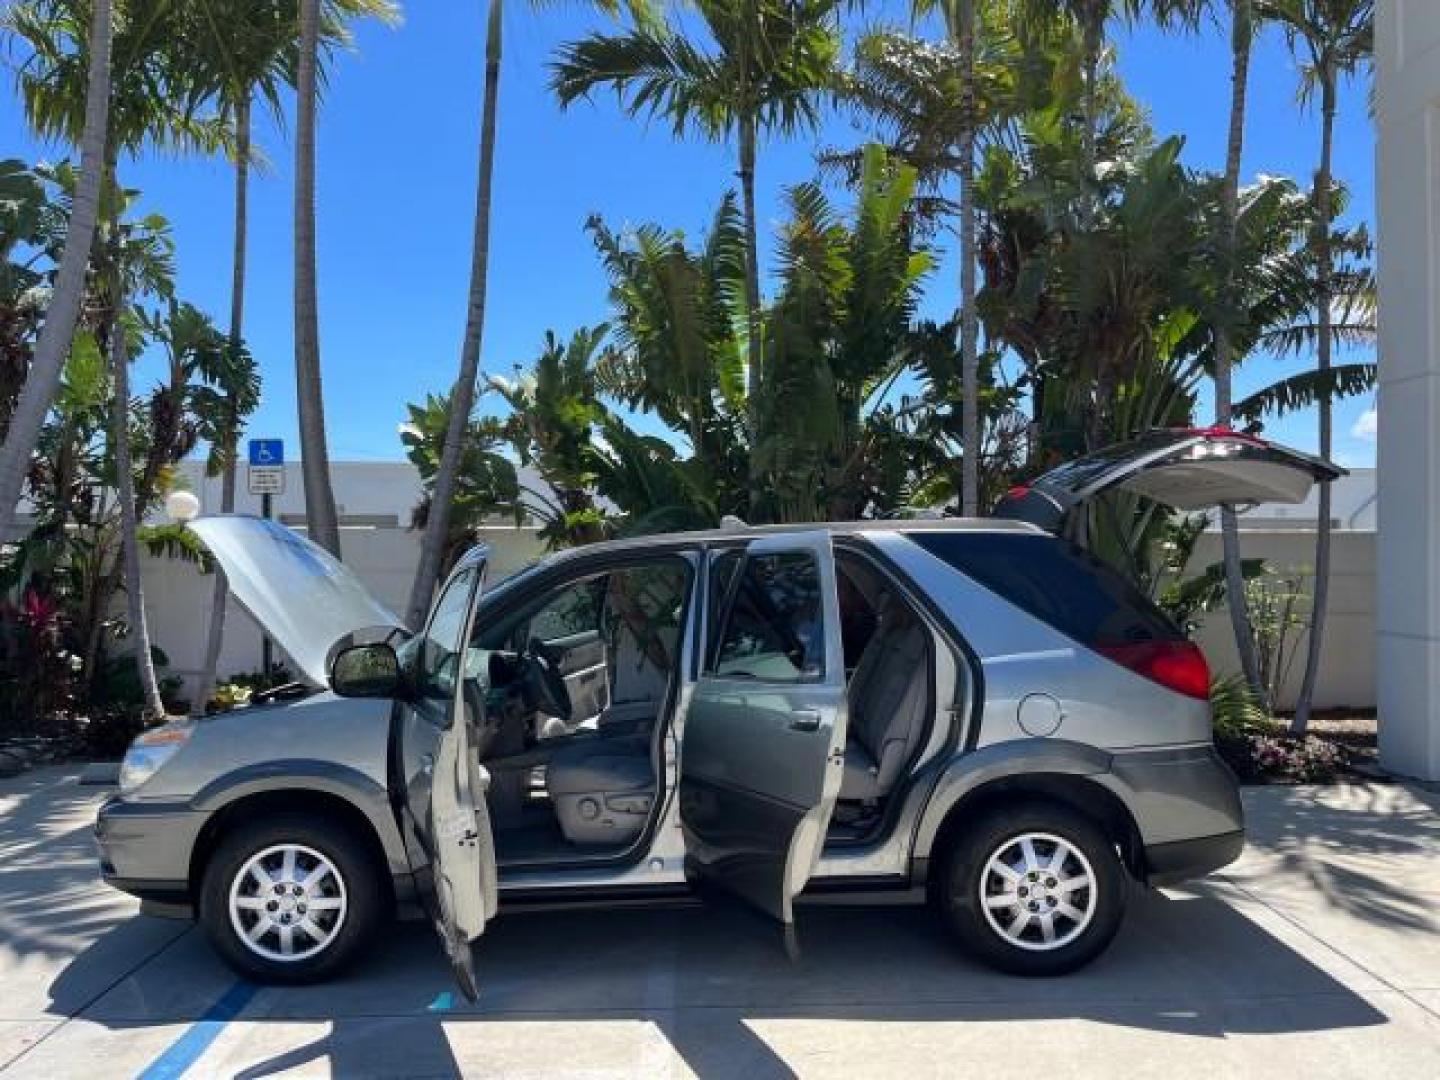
x=708, y=981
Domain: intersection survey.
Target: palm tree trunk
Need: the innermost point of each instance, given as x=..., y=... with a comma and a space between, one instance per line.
x=43, y=379
x=462, y=397
x=1241, y=37
x=969, y=329
x=129, y=525
x=755, y=347
x=1093, y=32
x=1323, y=291
x=320, y=517
x=215, y=636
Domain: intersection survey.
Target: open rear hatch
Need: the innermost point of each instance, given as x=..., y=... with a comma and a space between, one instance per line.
x=1183, y=468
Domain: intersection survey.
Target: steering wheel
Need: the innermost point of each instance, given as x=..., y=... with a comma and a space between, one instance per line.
x=543, y=685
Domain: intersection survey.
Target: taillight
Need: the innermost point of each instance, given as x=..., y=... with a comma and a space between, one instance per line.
x=1175, y=665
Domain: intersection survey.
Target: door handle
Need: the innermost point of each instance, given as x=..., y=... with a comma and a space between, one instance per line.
x=805, y=720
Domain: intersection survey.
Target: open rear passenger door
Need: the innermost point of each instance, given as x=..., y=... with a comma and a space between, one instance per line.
x=764, y=736
x=445, y=784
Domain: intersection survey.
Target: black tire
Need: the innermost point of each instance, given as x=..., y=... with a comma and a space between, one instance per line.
x=365, y=895
x=961, y=876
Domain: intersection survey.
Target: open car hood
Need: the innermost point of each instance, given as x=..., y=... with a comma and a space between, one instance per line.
x=302, y=596
x=1184, y=468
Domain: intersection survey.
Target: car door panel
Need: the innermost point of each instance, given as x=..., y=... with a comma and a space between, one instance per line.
x=446, y=821
x=762, y=755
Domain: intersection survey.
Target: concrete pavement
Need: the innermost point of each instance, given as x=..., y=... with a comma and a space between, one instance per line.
x=1317, y=955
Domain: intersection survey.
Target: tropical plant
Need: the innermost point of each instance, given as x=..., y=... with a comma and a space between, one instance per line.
x=837, y=339
x=1334, y=38
x=934, y=101
x=487, y=484
x=46, y=29
x=554, y=412
x=750, y=66
x=1235, y=710
x=1280, y=611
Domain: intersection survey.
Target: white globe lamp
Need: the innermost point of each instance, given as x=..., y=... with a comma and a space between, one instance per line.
x=182, y=506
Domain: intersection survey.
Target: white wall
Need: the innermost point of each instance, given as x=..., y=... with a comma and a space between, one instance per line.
x=1347, y=670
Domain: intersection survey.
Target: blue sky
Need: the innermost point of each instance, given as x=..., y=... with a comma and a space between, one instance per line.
x=397, y=163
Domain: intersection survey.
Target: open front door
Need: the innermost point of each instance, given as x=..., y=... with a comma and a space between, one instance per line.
x=444, y=780
x=764, y=736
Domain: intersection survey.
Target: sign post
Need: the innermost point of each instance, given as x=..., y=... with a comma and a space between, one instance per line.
x=266, y=478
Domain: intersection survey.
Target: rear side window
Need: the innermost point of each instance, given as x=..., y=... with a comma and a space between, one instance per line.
x=1063, y=585
x=772, y=630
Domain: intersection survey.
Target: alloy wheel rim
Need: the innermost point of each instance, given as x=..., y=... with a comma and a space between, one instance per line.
x=1038, y=891
x=287, y=903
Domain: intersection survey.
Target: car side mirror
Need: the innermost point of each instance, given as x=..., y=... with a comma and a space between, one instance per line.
x=366, y=671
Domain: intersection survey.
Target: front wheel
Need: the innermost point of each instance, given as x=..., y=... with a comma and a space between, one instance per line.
x=1033, y=889
x=291, y=898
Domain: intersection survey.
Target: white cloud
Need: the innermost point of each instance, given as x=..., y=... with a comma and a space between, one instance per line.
x=1366, y=426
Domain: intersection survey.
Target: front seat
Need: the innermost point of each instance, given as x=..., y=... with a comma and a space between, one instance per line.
x=602, y=788
x=888, y=697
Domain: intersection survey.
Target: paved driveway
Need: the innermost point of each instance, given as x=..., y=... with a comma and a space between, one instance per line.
x=1317, y=955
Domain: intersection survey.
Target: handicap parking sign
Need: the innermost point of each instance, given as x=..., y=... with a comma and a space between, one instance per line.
x=267, y=452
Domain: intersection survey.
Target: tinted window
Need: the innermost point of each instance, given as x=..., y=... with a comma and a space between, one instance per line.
x=773, y=629
x=1055, y=581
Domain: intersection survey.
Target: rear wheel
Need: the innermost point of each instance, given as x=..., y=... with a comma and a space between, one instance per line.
x=1033, y=889
x=291, y=898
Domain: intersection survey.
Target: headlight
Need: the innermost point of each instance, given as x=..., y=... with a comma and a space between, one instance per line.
x=151, y=750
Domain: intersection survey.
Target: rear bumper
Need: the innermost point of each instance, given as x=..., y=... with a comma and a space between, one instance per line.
x=1181, y=860
x=1186, y=804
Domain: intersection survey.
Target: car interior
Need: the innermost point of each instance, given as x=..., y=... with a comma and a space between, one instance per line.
x=579, y=682
x=889, y=690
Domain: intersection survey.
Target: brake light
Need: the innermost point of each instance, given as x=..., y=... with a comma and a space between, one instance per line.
x=1175, y=665
x=1220, y=431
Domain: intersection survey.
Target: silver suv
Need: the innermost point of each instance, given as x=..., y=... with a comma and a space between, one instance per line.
x=977, y=711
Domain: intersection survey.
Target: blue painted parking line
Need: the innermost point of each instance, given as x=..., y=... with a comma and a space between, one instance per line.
x=186, y=1050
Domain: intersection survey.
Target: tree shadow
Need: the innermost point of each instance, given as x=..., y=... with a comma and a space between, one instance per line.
x=1346, y=842
x=708, y=981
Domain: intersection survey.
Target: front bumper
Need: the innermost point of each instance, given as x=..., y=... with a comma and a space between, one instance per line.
x=145, y=850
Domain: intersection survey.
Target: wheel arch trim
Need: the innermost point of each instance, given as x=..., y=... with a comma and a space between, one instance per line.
x=309, y=777
x=1031, y=765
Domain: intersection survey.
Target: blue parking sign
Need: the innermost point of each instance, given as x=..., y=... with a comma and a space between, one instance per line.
x=267, y=452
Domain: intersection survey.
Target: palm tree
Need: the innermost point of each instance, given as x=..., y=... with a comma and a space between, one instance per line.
x=1334, y=38
x=150, y=96
x=129, y=519
x=937, y=100
x=764, y=66
x=320, y=517
x=1242, y=34
x=43, y=379
x=462, y=397
x=250, y=49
